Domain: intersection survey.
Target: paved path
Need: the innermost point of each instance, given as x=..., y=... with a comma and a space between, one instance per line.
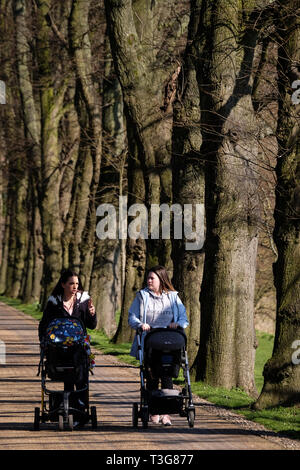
x=113, y=388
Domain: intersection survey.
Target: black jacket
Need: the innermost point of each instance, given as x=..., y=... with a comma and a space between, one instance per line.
x=54, y=309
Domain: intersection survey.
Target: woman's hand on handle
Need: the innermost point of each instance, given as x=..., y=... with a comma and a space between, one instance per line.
x=145, y=327
x=173, y=325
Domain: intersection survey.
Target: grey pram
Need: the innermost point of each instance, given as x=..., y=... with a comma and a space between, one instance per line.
x=163, y=353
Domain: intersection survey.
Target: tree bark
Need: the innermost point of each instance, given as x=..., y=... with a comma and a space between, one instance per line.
x=92, y=140
x=32, y=127
x=227, y=337
x=31, y=291
x=135, y=250
x=108, y=259
x=53, y=108
x=17, y=187
x=282, y=372
x=147, y=70
x=31, y=107
x=188, y=185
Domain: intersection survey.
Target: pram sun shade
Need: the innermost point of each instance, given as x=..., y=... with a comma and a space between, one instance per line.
x=67, y=345
x=65, y=332
x=165, y=339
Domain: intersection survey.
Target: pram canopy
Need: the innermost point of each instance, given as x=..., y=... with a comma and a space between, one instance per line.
x=65, y=332
x=162, y=339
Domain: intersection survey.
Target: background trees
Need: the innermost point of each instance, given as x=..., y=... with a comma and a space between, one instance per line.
x=230, y=148
x=146, y=42
x=163, y=102
x=281, y=373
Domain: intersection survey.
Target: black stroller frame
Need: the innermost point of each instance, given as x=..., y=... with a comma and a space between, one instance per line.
x=163, y=401
x=62, y=403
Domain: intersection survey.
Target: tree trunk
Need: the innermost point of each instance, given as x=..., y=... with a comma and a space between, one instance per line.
x=91, y=141
x=282, y=372
x=34, y=264
x=5, y=249
x=32, y=126
x=17, y=187
x=147, y=74
x=108, y=266
x=52, y=110
x=227, y=337
x=31, y=109
x=188, y=187
x=2, y=188
x=20, y=233
x=135, y=249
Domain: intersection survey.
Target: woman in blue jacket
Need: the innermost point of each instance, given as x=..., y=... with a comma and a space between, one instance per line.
x=157, y=306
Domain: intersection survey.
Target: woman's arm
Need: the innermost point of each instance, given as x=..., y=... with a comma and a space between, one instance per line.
x=182, y=319
x=134, y=313
x=45, y=320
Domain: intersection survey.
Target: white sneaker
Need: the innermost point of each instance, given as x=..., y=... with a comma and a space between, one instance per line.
x=166, y=420
x=155, y=419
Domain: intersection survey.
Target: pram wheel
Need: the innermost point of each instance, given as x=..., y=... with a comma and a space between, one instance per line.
x=145, y=416
x=94, y=417
x=191, y=418
x=71, y=422
x=60, y=422
x=36, y=424
x=135, y=415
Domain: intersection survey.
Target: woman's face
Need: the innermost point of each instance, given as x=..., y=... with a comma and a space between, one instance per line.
x=153, y=282
x=71, y=286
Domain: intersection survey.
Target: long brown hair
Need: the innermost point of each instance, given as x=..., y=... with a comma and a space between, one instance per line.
x=161, y=272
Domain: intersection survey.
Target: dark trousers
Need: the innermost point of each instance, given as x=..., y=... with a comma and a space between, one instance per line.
x=80, y=383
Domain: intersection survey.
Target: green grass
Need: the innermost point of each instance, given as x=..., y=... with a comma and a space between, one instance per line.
x=100, y=341
x=31, y=309
x=285, y=420
x=264, y=352
x=281, y=419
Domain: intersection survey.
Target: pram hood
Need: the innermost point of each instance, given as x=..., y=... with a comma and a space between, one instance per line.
x=165, y=339
x=65, y=332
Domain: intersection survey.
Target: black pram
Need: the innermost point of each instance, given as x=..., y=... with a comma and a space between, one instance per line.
x=65, y=358
x=163, y=354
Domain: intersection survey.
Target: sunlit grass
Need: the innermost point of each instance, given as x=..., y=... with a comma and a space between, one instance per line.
x=31, y=309
x=100, y=341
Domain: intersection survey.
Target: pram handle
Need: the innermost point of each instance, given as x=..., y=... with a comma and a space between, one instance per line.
x=140, y=330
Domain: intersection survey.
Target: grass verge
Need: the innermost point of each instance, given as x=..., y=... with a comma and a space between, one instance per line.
x=284, y=420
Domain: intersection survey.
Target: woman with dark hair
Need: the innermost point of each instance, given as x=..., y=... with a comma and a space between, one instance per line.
x=157, y=306
x=68, y=299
